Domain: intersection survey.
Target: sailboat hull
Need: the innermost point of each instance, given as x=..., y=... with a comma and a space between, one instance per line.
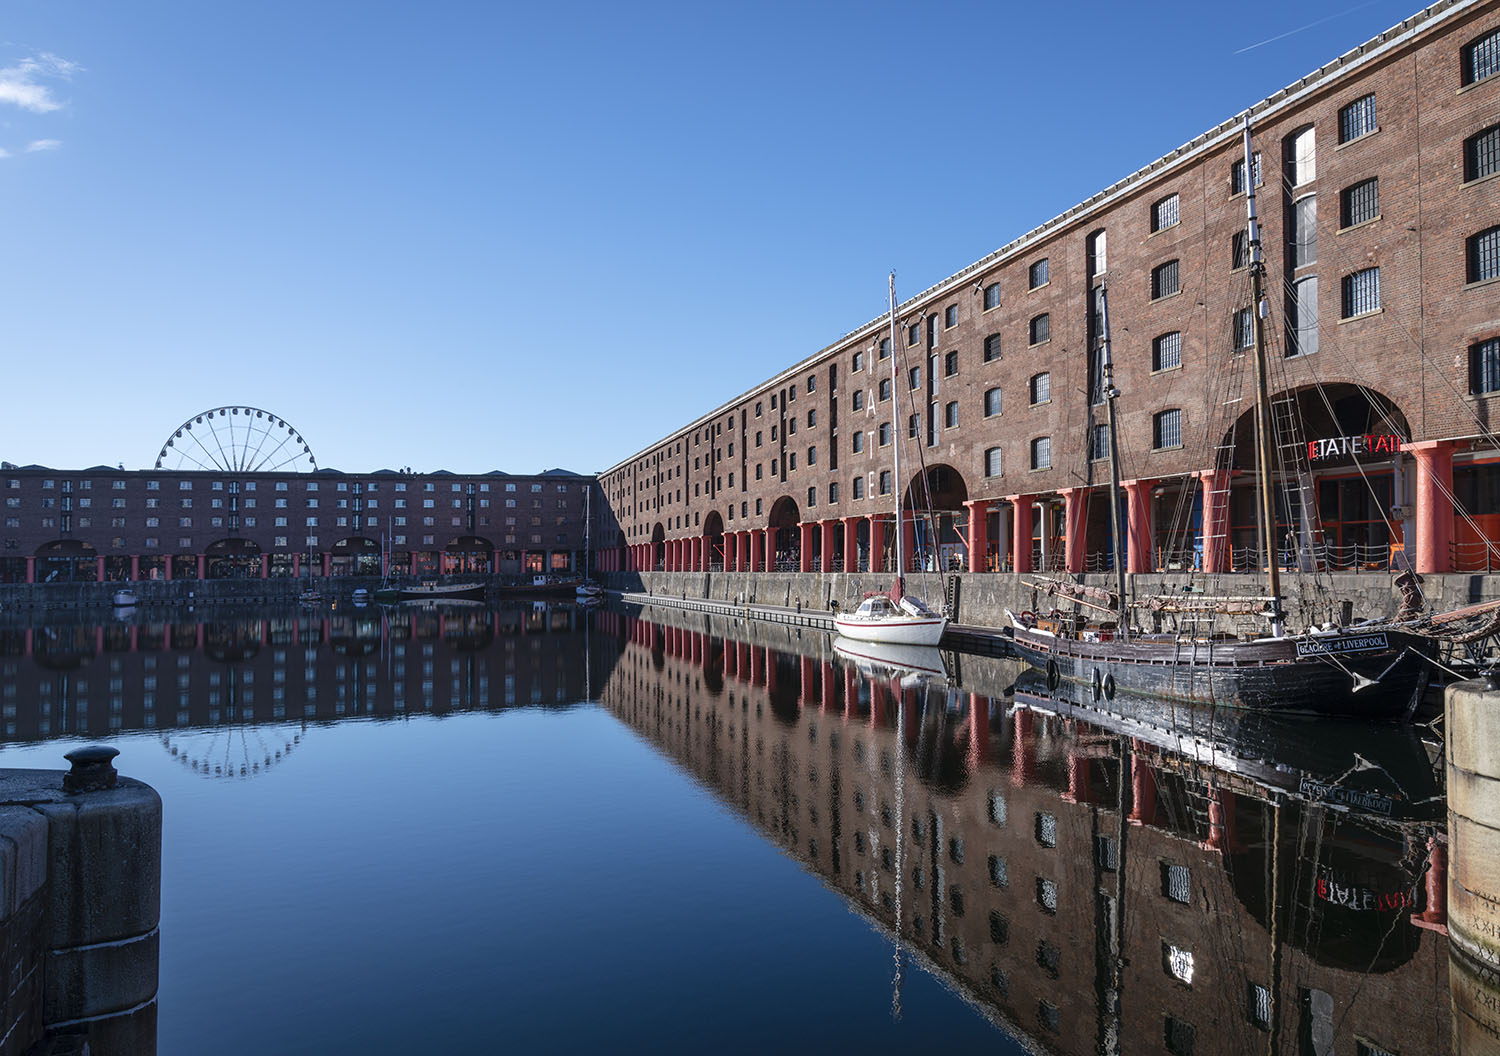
x=1376, y=674
x=896, y=630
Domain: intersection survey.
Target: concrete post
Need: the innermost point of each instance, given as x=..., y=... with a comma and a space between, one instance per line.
x=1215, y=487
x=1020, y=560
x=978, y=534
x=1075, y=526
x=1434, y=514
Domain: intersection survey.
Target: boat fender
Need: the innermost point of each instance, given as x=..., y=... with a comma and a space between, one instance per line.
x=1098, y=686
x=1027, y=619
x=1054, y=676
x=1109, y=687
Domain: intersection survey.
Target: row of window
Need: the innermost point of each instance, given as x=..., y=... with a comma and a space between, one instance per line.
x=234, y=487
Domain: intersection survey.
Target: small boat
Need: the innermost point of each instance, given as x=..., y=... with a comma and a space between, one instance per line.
x=432, y=590
x=894, y=618
x=589, y=590
x=125, y=598
x=310, y=597
x=881, y=620
x=541, y=584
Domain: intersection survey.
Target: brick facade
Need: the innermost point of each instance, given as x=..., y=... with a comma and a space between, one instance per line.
x=786, y=444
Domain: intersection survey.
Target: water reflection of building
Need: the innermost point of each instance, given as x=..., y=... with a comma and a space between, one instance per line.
x=1183, y=909
x=296, y=666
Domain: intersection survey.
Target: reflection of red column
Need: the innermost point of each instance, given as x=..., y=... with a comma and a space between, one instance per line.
x=913, y=717
x=877, y=545
x=1022, y=749
x=805, y=693
x=1078, y=779
x=1435, y=916
x=1222, y=835
x=757, y=665
x=1434, y=514
x=851, y=544
x=1020, y=535
x=878, y=691
x=1142, y=793
x=1075, y=525
x=826, y=564
x=742, y=661
x=731, y=661
x=851, y=693
x=805, y=540
x=769, y=662
x=1140, y=535
x=978, y=534
x=830, y=683
x=979, y=730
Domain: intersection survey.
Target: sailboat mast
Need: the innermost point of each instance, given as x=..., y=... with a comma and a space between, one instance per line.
x=1107, y=379
x=1265, y=513
x=896, y=442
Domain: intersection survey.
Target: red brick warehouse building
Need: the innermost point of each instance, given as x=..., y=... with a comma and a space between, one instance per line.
x=1380, y=208
x=253, y=503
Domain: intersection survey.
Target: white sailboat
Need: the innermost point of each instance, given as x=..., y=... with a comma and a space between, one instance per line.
x=588, y=590
x=894, y=618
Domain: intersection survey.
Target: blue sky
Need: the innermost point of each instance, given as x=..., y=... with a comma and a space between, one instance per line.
x=482, y=236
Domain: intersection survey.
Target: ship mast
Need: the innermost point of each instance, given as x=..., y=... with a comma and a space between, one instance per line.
x=1265, y=513
x=899, y=586
x=1107, y=380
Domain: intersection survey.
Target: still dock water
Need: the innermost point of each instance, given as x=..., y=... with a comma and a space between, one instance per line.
x=554, y=830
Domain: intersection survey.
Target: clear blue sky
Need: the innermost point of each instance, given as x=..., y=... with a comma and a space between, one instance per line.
x=484, y=236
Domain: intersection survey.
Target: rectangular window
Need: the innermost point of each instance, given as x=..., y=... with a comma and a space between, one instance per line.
x=1361, y=292
x=992, y=463
x=1357, y=119
x=950, y=316
x=914, y=378
x=1041, y=328
x=833, y=492
x=1484, y=255
x=913, y=426
x=1237, y=174
x=1481, y=58
x=885, y=482
x=1302, y=157
x=1304, y=316
x=1164, y=213
x=858, y=485
x=950, y=364
x=812, y=496
x=1239, y=251
x=1166, y=429
x=992, y=296
x=1242, y=328
x=950, y=415
x=1041, y=387
x=991, y=402
x=884, y=390
x=1041, y=453
x=1361, y=203
x=992, y=348
x=1164, y=281
x=1484, y=366
x=1482, y=154
x=1305, y=231
x=1037, y=275
x=1166, y=351
x=1099, y=442
x=858, y=442
x=884, y=434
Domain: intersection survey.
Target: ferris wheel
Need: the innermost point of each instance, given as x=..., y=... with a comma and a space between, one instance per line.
x=237, y=440
x=240, y=750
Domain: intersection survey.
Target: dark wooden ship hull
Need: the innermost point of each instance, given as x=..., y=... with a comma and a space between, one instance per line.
x=1304, y=675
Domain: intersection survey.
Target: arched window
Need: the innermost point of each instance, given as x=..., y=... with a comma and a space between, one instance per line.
x=1301, y=157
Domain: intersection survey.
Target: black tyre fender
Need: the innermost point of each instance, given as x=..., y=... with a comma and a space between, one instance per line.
x=1054, y=676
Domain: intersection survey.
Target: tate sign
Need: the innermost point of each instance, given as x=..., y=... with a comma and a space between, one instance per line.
x=1354, y=446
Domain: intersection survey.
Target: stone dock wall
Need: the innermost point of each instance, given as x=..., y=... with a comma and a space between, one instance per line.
x=1472, y=715
x=80, y=902
x=983, y=597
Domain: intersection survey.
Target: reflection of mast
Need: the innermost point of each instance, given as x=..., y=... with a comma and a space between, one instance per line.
x=1112, y=972
x=900, y=835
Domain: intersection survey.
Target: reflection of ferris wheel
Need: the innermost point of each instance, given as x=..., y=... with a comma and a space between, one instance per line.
x=240, y=750
x=237, y=440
